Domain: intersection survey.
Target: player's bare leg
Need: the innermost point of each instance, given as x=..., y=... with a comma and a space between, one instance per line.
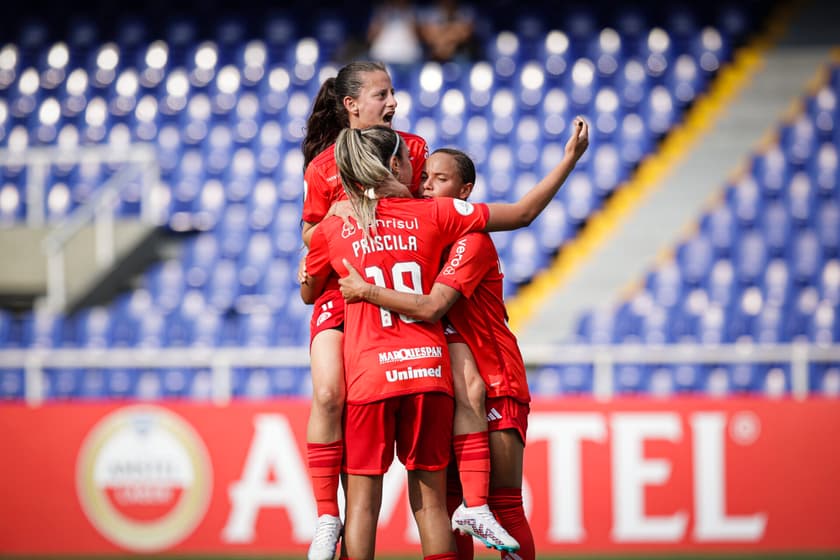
x=364, y=498
x=427, y=496
x=324, y=438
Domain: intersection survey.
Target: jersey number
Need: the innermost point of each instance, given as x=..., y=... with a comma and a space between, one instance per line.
x=398, y=272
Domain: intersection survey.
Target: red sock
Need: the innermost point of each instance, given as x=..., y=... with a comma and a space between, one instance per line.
x=324, y=460
x=472, y=454
x=454, y=497
x=444, y=556
x=506, y=503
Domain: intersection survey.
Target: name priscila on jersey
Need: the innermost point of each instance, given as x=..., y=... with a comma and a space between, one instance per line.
x=384, y=243
x=393, y=375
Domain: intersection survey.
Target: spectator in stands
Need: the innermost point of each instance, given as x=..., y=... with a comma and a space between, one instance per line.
x=368, y=162
x=447, y=30
x=394, y=34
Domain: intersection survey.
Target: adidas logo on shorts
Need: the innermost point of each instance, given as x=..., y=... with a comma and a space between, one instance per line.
x=493, y=414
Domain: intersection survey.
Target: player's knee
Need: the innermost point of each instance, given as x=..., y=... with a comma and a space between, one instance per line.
x=328, y=400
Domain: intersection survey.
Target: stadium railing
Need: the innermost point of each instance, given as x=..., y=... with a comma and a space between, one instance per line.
x=602, y=358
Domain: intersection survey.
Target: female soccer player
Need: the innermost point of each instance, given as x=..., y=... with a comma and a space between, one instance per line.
x=361, y=95
x=393, y=363
x=485, y=355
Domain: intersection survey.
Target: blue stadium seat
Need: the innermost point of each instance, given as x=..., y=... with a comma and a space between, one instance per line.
x=165, y=283
x=254, y=262
x=62, y=384
x=800, y=313
x=695, y=258
x=776, y=226
x=824, y=324
x=771, y=172
x=552, y=227
x=223, y=286
x=12, y=204
x=801, y=199
x=252, y=384
x=555, y=53
x=93, y=327
x=715, y=381
x=505, y=54
x=524, y=257
x=688, y=379
x=829, y=287
x=653, y=323
x=119, y=383
x=824, y=380
x=658, y=110
x=776, y=381
x=824, y=171
x=777, y=284
x=806, y=257
x=232, y=231
x=631, y=379
x=11, y=384
x=561, y=380
x=43, y=329
x=828, y=228
x=608, y=114
x=750, y=257
x=720, y=284
x=634, y=140
x=685, y=79
x=798, y=140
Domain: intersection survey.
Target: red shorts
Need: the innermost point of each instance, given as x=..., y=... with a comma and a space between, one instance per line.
x=420, y=424
x=452, y=336
x=327, y=313
x=506, y=413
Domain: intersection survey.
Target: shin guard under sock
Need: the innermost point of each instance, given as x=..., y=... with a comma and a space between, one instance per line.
x=324, y=460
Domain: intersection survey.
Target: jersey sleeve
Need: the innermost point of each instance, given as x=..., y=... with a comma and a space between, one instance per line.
x=316, y=195
x=468, y=262
x=457, y=218
x=418, y=152
x=318, y=258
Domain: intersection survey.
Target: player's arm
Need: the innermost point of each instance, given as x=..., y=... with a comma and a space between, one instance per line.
x=316, y=268
x=425, y=307
x=312, y=287
x=306, y=232
x=524, y=211
x=341, y=208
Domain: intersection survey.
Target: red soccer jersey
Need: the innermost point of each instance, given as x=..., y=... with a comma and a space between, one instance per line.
x=479, y=315
x=385, y=354
x=322, y=184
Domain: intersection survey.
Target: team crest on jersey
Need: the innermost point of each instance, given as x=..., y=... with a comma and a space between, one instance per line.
x=347, y=230
x=463, y=207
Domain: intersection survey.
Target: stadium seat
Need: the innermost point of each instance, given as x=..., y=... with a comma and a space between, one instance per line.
x=824, y=380
x=62, y=384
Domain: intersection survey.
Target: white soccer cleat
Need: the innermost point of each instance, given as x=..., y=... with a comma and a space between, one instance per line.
x=480, y=522
x=326, y=538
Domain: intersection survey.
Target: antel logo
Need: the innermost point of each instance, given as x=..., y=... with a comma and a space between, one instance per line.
x=144, y=478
